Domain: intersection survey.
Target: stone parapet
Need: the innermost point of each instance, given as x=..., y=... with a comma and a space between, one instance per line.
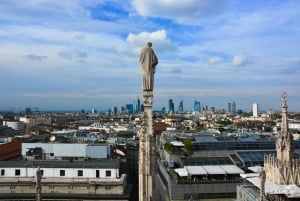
x=282, y=172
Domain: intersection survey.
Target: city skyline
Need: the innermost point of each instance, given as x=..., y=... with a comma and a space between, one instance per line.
x=69, y=55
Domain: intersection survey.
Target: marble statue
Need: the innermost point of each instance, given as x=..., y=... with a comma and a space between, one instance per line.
x=38, y=175
x=283, y=98
x=262, y=177
x=148, y=61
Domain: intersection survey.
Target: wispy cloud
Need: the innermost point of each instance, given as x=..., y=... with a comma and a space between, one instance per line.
x=180, y=11
x=71, y=54
x=35, y=57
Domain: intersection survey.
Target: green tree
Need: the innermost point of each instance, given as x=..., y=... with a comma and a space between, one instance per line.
x=169, y=147
x=188, y=146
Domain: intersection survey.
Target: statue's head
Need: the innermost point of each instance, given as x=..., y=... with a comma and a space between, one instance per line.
x=149, y=44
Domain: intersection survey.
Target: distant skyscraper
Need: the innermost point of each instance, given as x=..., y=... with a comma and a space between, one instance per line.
x=180, y=107
x=138, y=105
x=229, y=107
x=255, y=110
x=233, y=107
x=197, y=106
x=129, y=108
x=171, y=107
x=28, y=111
x=163, y=110
x=115, y=110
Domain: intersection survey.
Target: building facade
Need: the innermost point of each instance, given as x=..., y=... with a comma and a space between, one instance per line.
x=255, y=110
x=67, y=180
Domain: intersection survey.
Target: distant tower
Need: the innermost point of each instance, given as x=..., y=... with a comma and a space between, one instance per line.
x=28, y=111
x=122, y=109
x=197, y=106
x=138, y=105
x=255, y=110
x=163, y=110
x=171, y=107
x=229, y=108
x=233, y=107
x=180, y=107
x=115, y=110
x=129, y=108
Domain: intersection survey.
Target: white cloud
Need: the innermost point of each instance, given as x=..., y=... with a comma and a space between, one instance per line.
x=181, y=11
x=158, y=38
x=240, y=60
x=215, y=60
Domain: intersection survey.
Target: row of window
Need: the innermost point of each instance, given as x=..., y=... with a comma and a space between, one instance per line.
x=52, y=187
x=61, y=173
x=239, y=145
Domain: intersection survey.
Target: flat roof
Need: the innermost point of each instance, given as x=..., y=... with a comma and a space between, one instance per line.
x=195, y=170
x=214, y=169
x=181, y=172
x=101, y=163
x=210, y=170
x=232, y=169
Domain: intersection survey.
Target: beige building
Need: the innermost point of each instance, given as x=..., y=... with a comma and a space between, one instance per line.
x=63, y=180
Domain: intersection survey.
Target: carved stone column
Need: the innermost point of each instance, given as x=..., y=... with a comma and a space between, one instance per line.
x=147, y=152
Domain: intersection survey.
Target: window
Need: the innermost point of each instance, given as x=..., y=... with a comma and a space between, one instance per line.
x=51, y=154
x=80, y=173
x=17, y=172
x=62, y=173
x=42, y=172
x=108, y=173
x=2, y=172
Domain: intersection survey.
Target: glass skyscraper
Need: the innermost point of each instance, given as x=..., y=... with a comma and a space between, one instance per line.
x=197, y=106
x=180, y=107
x=171, y=107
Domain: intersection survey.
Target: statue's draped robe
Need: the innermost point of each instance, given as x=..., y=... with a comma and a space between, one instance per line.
x=148, y=61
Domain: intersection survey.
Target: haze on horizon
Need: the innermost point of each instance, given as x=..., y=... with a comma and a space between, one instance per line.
x=73, y=54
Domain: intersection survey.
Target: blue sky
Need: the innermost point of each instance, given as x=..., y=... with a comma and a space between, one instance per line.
x=75, y=54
